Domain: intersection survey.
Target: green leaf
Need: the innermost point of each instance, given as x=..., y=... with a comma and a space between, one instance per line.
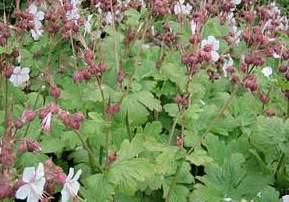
x=29, y=159
x=213, y=27
x=268, y=133
x=148, y=100
x=51, y=145
x=172, y=109
x=179, y=193
x=129, y=150
x=97, y=189
x=175, y=73
x=199, y=157
x=133, y=17
x=126, y=175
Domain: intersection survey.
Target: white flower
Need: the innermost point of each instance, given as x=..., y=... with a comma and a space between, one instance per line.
x=237, y=2
x=71, y=186
x=193, y=26
x=214, y=44
x=19, y=76
x=285, y=198
x=46, y=123
x=228, y=63
x=236, y=34
x=180, y=8
x=227, y=199
x=73, y=13
x=37, y=31
x=267, y=71
x=275, y=9
x=108, y=18
x=87, y=25
x=34, y=184
x=276, y=56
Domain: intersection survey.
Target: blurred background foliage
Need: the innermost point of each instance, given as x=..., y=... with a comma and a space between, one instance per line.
x=9, y=5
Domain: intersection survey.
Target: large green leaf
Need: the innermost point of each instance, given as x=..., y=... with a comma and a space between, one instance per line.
x=97, y=189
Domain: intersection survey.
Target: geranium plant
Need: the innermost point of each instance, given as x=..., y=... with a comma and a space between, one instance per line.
x=144, y=100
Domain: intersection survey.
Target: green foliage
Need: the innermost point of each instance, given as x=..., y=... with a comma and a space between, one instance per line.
x=156, y=128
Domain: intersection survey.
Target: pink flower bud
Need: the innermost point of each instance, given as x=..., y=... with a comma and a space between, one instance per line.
x=112, y=157
x=78, y=76
x=7, y=157
x=264, y=99
x=28, y=115
x=283, y=68
x=23, y=147
x=54, y=108
x=270, y=113
x=55, y=92
x=60, y=176
x=113, y=108
x=180, y=142
x=120, y=76
x=8, y=72
x=88, y=56
x=195, y=39
x=79, y=116
x=18, y=123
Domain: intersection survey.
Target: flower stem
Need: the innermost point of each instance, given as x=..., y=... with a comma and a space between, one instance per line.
x=279, y=165
x=215, y=120
x=174, y=181
x=34, y=107
x=6, y=102
x=93, y=163
x=115, y=37
x=173, y=128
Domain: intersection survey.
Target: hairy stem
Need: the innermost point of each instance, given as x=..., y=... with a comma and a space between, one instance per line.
x=279, y=165
x=115, y=37
x=173, y=128
x=6, y=102
x=215, y=120
x=174, y=181
x=93, y=163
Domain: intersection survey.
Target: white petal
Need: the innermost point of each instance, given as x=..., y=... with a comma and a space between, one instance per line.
x=17, y=70
x=204, y=43
x=74, y=188
x=70, y=174
x=276, y=56
x=22, y=192
x=65, y=195
x=40, y=171
x=77, y=175
x=23, y=78
x=213, y=41
x=35, y=35
x=28, y=174
x=40, y=15
x=39, y=186
x=32, y=9
x=25, y=70
x=285, y=198
x=177, y=9
x=267, y=71
x=215, y=56
x=33, y=197
x=237, y=2
x=193, y=26
x=14, y=80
